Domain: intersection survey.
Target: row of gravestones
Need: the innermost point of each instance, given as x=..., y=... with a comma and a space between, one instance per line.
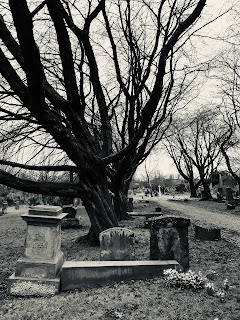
x=39, y=268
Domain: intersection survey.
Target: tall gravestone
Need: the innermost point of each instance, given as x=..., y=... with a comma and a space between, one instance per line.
x=169, y=240
x=38, y=271
x=117, y=244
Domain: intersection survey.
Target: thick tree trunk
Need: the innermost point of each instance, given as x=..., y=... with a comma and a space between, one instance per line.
x=193, y=190
x=120, y=189
x=206, y=188
x=98, y=204
x=120, y=202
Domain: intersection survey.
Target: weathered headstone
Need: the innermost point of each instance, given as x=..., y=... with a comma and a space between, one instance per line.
x=130, y=205
x=37, y=272
x=4, y=207
x=117, y=244
x=229, y=196
x=169, y=240
x=72, y=220
x=209, y=234
x=220, y=195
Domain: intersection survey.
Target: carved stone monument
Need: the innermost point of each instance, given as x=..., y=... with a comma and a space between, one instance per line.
x=169, y=240
x=117, y=244
x=38, y=271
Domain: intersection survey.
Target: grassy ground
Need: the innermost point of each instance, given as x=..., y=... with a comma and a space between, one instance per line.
x=142, y=299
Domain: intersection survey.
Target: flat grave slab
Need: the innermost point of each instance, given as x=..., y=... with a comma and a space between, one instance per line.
x=79, y=274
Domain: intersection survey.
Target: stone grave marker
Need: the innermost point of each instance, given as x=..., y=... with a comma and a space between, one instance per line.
x=38, y=271
x=229, y=196
x=169, y=240
x=117, y=244
x=209, y=234
x=72, y=219
x=130, y=205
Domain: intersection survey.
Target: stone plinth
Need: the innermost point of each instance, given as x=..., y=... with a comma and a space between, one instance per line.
x=169, y=240
x=80, y=274
x=117, y=244
x=42, y=260
x=130, y=204
x=72, y=219
x=202, y=233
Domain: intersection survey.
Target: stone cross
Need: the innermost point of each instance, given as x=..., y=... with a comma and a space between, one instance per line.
x=169, y=240
x=117, y=244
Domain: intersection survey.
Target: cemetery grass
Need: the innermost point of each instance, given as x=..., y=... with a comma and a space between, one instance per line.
x=139, y=299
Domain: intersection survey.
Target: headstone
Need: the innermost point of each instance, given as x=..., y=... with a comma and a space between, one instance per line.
x=169, y=240
x=130, y=204
x=37, y=272
x=209, y=234
x=72, y=220
x=117, y=244
x=4, y=207
x=17, y=204
x=220, y=195
x=229, y=196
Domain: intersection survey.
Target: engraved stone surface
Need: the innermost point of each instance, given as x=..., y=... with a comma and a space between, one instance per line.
x=169, y=240
x=117, y=244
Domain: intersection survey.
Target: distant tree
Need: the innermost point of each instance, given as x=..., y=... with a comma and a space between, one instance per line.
x=194, y=144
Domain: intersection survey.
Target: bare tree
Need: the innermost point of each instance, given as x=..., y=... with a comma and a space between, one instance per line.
x=195, y=144
x=90, y=86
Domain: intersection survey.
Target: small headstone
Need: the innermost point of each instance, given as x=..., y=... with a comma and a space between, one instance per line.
x=169, y=240
x=117, y=244
x=130, y=204
x=71, y=220
x=202, y=233
x=4, y=207
x=229, y=196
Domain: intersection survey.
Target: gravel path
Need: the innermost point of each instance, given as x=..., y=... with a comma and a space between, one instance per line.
x=228, y=223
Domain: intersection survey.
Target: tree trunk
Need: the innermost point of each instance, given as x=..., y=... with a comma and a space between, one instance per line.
x=98, y=204
x=207, y=191
x=193, y=190
x=120, y=187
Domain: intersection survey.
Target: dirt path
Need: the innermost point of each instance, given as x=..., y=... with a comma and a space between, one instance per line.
x=229, y=223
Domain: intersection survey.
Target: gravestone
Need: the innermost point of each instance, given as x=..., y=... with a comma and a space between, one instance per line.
x=37, y=272
x=229, y=196
x=117, y=244
x=220, y=195
x=169, y=240
x=130, y=205
x=4, y=207
x=209, y=234
x=72, y=220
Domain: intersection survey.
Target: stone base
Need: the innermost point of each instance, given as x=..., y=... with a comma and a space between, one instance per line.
x=70, y=223
x=20, y=286
x=39, y=269
x=79, y=274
